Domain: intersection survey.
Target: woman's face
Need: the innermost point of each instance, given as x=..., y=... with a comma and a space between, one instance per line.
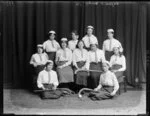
x=64, y=44
x=105, y=67
x=89, y=31
x=74, y=36
x=116, y=50
x=110, y=35
x=93, y=47
x=40, y=50
x=49, y=67
x=80, y=45
x=52, y=36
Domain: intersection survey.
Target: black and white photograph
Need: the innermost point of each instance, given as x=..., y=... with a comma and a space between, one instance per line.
x=74, y=57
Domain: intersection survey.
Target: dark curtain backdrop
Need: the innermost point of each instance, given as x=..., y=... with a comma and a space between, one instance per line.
x=25, y=24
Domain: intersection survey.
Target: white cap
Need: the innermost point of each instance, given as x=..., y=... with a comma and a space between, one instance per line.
x=106, y=62
x=91, y=27
x=110, y=30
x=40, y=45
x=64, y=39
x=52, y=32
x=49, y=61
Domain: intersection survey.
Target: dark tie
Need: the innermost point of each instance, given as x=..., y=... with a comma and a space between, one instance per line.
x=40, y=57
x=49, y=77
x=96, y=59
x=110, y=44
x=53, y=44
x=64, y=54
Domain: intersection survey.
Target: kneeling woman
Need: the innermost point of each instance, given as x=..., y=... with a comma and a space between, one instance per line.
x=118, y=62
x=47, y=79
x=108, y=84
x=96, y=57
x=63, y=61
x=80, y=61
x=38, y=61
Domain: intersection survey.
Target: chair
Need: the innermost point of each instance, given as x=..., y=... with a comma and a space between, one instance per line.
x=122, y=81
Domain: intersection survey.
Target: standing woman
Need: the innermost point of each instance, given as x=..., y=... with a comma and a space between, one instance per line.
x=109, y=43
x=51, y=45
x=63, y=61
x=38, y=61
x=89, y=37
x=72, y=43
x=118, y=62
x=96, y=57
x=80, y=61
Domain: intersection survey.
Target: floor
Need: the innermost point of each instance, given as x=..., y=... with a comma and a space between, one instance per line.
x=19, y=101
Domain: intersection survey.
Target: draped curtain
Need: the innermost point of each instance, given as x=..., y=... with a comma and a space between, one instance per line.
x=26, y=24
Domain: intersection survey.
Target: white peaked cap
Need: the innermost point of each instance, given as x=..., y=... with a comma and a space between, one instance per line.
x=110, y=30
x=52, y=32
x=64, y=39
x=90, y=27
x=106, y=62
x=49, y=61
x=40, y=45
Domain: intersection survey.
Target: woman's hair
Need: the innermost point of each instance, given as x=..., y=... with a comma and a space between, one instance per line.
x=120, y=53
x=79, y=42
x=75, y=32
x=41, y=48
x=62, y=42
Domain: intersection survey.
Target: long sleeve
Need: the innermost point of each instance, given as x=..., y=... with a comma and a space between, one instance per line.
x=32, y=60
x=116, y=84
x=55, y=79
x=87, y=61
x=111, y=61
x=121, y=48
x=74, y=58
x=70, y=58
x=123, y=64
x=100, y=83
x=57, y=57
x=58, y=46
x=39, y=80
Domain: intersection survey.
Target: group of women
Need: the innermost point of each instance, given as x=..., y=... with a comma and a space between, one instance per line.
x=82, y=56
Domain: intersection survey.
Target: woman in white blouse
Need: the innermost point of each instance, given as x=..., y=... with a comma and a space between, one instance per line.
x=108, y=84
x=63, y=61
x=38, y=61
x=96, y=57
x=80, y=61
x=118, y=62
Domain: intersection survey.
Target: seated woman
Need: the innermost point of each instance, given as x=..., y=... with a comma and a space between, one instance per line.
x=38, y=61
x=80, y=61
x=47, y=79
x=118, y=62
x=96, y=57
x=108, y=84
x=63, y=61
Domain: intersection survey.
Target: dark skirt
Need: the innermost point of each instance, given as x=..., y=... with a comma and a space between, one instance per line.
x=102, y=94
x=81, y=76
x=65, y=75
x=108, y=55
x=51, y=56
x=94, y=76
x=116, y=67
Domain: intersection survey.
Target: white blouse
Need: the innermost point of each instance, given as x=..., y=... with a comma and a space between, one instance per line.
x=97, y=56
x=39, y=59
x=118, y=60
x=109, y=44
x=79, y=55
x=51, y=46
x=109, y=79
x=64, y=55
x=45, y=78
x=88, y=40
x=72, y=44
